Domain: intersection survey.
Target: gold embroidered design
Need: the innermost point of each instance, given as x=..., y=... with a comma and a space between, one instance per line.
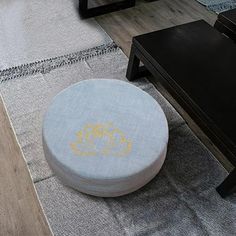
x=101, y=139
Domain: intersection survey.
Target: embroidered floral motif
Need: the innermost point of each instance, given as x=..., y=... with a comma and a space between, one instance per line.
x=101, y=139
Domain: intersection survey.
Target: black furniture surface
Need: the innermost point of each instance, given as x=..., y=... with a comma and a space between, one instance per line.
x=86, y=12
x=196, y=64
x=226, y=23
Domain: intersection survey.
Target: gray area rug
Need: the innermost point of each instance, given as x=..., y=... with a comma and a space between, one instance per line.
x=218, y=5
x=180, y=200
x=32, y=30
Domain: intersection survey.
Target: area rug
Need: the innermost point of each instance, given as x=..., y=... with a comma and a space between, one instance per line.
x=180, y=200
x=218, y=5
x=32, y=30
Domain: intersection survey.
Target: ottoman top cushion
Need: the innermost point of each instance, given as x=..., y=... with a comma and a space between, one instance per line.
x=105, y=129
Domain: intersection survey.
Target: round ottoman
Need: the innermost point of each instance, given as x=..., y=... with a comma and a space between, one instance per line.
x=105, y=137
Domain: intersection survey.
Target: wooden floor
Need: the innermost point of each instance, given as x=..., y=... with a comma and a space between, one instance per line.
x=157, y=15
x=20, y=211
x=151, y=16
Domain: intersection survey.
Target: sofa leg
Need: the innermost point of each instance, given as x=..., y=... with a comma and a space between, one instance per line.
x=86, y=12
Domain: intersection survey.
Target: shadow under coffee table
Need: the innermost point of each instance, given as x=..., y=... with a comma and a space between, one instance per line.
x=196, y=64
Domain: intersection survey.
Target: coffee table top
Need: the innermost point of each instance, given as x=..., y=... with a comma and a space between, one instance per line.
x=199, y=62
x=105, y=129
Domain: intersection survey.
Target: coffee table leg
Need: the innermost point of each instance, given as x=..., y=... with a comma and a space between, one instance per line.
x=135, y=71
x=228, y=186
x=133, y=66
x=83, y=5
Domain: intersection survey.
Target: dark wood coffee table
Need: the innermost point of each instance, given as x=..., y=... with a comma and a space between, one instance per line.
x=226, y=23
x=196, y=64
x=87, y=12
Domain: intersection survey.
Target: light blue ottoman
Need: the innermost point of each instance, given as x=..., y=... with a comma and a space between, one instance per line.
x=105, y=137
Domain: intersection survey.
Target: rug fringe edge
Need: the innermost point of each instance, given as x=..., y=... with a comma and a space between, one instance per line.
x=47, y=65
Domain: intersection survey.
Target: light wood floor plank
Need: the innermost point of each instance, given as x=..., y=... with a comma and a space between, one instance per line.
x=151, y=16
x=20, y=211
